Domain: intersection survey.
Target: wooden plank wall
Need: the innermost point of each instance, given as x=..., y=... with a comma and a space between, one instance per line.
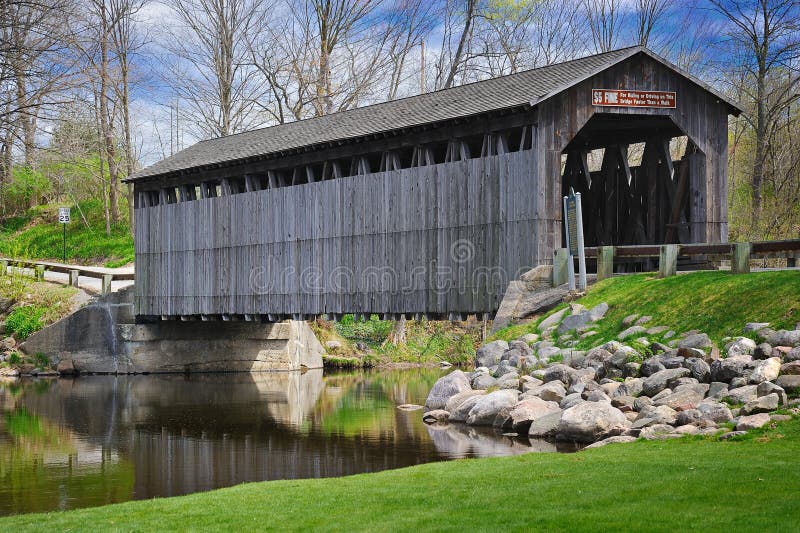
x=698, y=113
x=439, y=239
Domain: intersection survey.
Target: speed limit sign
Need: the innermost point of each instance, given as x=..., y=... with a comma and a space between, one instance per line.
x=63, y=215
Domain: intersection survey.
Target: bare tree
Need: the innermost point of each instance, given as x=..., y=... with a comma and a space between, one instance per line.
x=458, y=24
x=207, y=62
x=604, y=18
x=648, y=14
x=766, y=33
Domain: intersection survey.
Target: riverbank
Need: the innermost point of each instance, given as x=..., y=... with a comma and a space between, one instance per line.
x=695, y=483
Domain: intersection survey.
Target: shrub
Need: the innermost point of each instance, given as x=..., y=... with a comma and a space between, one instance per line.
x=24, y=320
x=373, y=330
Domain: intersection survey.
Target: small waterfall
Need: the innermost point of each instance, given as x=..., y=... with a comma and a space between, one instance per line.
x=113, y=348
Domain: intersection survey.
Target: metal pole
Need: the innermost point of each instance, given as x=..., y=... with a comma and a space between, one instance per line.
x=570, y=265
x=581, y=252
x=65, y=242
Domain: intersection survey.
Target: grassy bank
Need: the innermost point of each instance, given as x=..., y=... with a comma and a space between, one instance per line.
x=689, y=484
x=369, y=343
x=38, y=235
x=717, y=303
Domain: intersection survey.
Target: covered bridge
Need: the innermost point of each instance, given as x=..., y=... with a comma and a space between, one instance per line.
x=430, y=204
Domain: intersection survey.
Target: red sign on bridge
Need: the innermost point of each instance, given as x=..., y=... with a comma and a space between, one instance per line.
x=629, y=98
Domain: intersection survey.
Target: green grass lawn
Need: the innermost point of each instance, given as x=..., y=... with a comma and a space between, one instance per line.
x=695, y=484
x=717, y=303
x=38, y=235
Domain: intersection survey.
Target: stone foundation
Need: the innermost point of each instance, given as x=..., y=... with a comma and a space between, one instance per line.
x=104, y=337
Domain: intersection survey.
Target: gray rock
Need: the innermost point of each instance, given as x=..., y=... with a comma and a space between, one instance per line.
x=657, y=432
x=790, y=384
x=629, y=320
x=763, y=404
x=755, y=326
x=741, y=346
x=529, y=382
x=766, y=388
x=552, y=391
x=742, y=394
x=487, y=407
x=746, y=423
x=558, y=372
x=672, y=362
x=591, y=421
x=631, y=387
x=661, y=414
x=508, y=383
x=623, y=403
x=490, y=354
x=552, y=320
x=659, y=381
x=661, y=395
x=631, y=370
x=597, y=357
x=784, y=338
x=739, y=382
x=792, y=368
x=727, y=369
x=644, y=320
x=657, y=330
x=456, y=400
x=546, y=353
x=619, y=439
x=484, y=381
x=731, y=434
x=631, y=331
x=445, y=387
x=690, y=416
x=762, y=351
x=597, y=396
x=460, y=413
x=716, y=411
x=792, y=355
x=717, y=389
x=523, y=347
x=642, y=402
x=437, y=416
x=583, y=375
x=545, y=427
x=571, y=400
x=701, y=371
x=682, y=399
x=651, y=366
x=529, y=338
x=697, y=340
x=766, y=370
x=598, y=311
x=523, y=413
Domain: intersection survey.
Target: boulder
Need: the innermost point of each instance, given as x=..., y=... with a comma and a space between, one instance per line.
x=651, y=366
x=742, y=394
x=548, y=352
x=662, y=414
x=522, y=347
x=558, y=372
x=529, y=338
x=784, y=338
x=762, y=351
x=523, y=413
x=658, y=432
x=689, y=416
x=766, y=370
x=752, y=422
x=766, y=388
x=552, y=391
x=491, y=353
x=333, y=345
x=446, y=387
x=619, y=439
x=716, y=411
x=630, y=387
x=659, y=381
x=682, y=399
x=591, y=421
x=763, y=404
x=456, y=400
x=545, y=427
x=792, y=368
x=727, y=369
x=485, y=410
x=629, y=320
x=741, y=346
x=700, y=370
x=792, y=355
x=571, y=400
x=460, y=413
x=752, y=327
x=552, y=320
x=790, y=384
x=484, y=381
x=582, y=318
x=597, y=357
x=717, y=389
x=437, y=416
x=697, y=340
x=631, y=332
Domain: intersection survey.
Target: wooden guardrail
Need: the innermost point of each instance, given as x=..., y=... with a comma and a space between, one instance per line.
x=74, y=272
x=739, y=253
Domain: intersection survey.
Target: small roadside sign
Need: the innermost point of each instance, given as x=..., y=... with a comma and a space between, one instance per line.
x=63, y=215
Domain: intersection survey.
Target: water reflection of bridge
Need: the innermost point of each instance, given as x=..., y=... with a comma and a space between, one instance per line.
x=191, y=433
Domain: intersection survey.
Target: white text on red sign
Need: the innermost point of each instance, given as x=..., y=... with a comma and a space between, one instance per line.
x=629, y=98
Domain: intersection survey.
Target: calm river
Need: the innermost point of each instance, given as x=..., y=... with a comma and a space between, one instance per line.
x=93, y=440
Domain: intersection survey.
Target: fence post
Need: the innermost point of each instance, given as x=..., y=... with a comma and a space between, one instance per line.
x=668, y=260
x=73, y=277
x=38, y=273
x=740, y=259
x=605, y=262
x=106, y=288
x=560, y=258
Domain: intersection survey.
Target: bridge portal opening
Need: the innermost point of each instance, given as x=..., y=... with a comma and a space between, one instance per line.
x=636, y=175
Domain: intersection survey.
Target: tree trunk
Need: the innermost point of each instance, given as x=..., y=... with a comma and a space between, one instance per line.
x=106, y=124
x=461, y=43
x=399, y=332
x=761, y=146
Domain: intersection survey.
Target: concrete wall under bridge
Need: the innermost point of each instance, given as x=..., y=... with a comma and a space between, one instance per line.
x=104, y=337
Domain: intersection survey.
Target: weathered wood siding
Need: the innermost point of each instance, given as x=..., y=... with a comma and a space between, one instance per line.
x=443, y=238
x=698, y=113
